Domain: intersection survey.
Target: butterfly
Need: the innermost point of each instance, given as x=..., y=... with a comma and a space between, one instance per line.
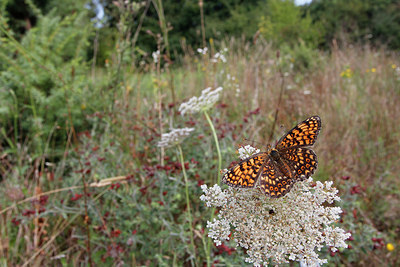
x=280, y=167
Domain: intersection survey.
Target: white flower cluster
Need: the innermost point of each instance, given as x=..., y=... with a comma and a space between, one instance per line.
x=289, y=228
x=215, y=196
x=156, y=56
x=247, y=151
x=174, y=137
x=219, y=56
x=204, y=102
x=397, y=71
x=202, y=51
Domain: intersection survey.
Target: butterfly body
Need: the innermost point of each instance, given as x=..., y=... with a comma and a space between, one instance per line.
x=279, y=168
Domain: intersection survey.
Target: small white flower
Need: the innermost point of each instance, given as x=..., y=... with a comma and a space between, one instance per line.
x=174, y=137
x=196, y=104
x=202, y=51
x=219, y=56
x=219, y=230
x=213, y=196
x=293, y=227
x=247, y=151
x=156, y=56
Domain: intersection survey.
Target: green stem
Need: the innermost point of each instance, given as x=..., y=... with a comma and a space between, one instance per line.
x=216, y=144
x=208, y=251
x=187, y=200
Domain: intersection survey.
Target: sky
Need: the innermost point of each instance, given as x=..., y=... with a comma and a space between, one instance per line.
x=302, y=2
x=100, y=10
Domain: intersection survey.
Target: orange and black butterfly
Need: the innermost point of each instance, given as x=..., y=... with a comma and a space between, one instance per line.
x=279, y=168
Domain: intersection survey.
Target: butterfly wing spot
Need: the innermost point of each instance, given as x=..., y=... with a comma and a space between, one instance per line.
x=273, y=182
x=245, y=173
x=303, y=134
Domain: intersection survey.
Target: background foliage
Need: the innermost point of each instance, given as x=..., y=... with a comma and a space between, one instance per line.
x=83, y=104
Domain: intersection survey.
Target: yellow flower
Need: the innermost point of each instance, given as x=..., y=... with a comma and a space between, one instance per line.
x=394, y=66
x=348, y=73
x=373, y=70
x=83, y=106
x=390, y=247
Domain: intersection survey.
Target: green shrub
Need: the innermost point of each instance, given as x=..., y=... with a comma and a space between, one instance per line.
x=43, y=79
x=284, y=23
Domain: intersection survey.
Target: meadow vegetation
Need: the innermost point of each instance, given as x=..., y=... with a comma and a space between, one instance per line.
x=83, y=180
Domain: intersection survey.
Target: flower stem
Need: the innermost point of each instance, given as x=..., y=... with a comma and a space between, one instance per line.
x=216, y=144
x=208, y=251
x=187, y=201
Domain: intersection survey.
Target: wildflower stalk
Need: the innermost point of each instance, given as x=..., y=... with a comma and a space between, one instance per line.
x=216, y=144
x=278, y=105
x=201, y=104
x=187, y=200
x=208, y=251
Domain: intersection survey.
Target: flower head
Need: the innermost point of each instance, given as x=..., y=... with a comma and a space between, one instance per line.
x=202, y=50
x=288, y=228
x=389, y=247
x=247, y=151
x=174, y=137
x=202, y=103
x=219, y=56
x=156, y=56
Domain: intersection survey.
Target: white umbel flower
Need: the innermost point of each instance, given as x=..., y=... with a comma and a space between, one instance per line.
x=196, y=104
x=202, y=51
x=174, y=137
x=293, y=227
x=247, y=151
x=156, y=56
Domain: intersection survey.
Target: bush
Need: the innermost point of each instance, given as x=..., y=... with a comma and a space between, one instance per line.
x=284, y=23
x=43, y=82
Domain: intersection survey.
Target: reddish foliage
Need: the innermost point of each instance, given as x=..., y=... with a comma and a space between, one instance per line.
x=76, y=197
x=15, y=221
x=115, y=233
x=355, y=214
x=357, y=189
x=143, y=190
x=378, y=243
x=28, y=213
x=43, y=200
x=223, y=248
x=115, y=186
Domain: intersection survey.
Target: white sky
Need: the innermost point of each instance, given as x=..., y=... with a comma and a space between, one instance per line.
x=302, y=2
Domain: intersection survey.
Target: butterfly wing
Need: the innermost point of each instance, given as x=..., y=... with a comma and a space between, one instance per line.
x=303, y=134
x=273, y=183
x=246, y=172
x=302, y=160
